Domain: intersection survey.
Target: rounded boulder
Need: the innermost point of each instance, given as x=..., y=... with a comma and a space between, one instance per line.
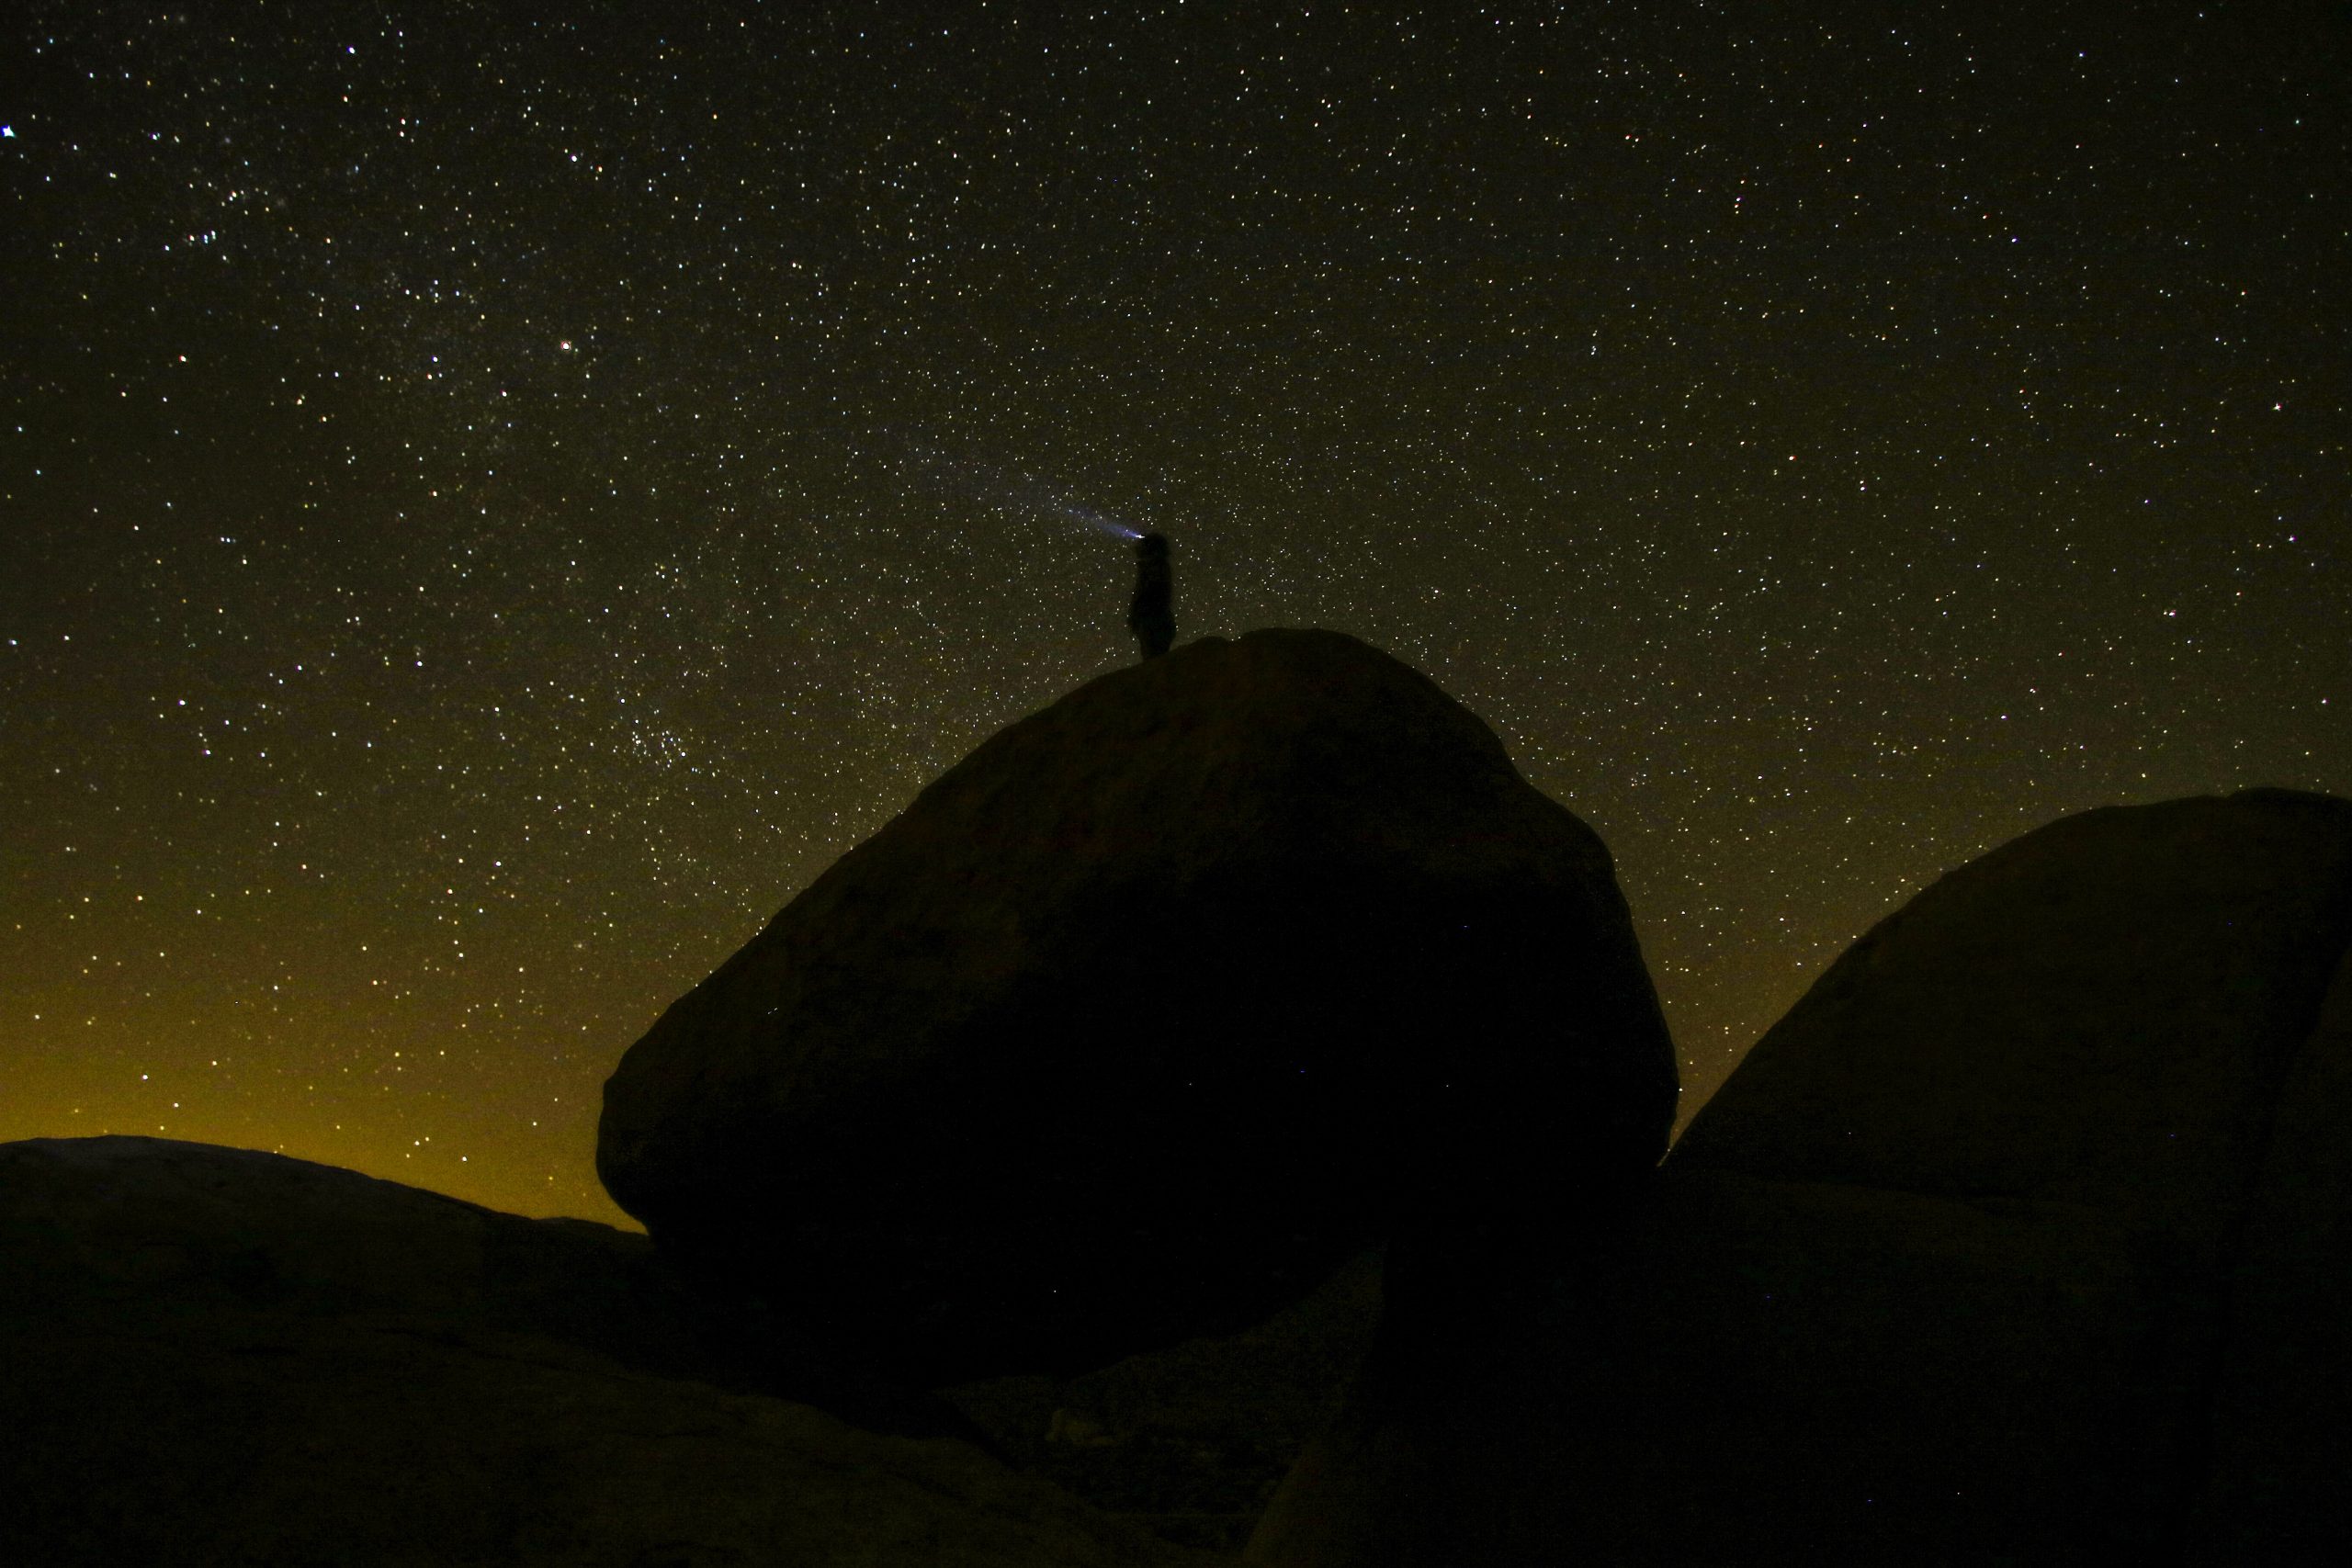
x=1146, y=1016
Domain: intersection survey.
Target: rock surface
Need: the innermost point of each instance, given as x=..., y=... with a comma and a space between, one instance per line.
x=209, y=1355
x=158, y=1221
x=2102, y=1012
x=195, y=1226
x=2023, y=1238
x=1749, y=1372
x=1192, y=1440
x=1148, y=1015
x=2280, y=1438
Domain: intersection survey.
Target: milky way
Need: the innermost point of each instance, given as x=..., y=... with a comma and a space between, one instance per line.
x=467, y=568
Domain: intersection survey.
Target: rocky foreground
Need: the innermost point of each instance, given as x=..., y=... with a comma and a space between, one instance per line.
x=1220, y=1117
x=213, y=1355
x=2024, y=1238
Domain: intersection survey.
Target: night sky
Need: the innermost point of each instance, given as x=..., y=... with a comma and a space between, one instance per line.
x=492, y=507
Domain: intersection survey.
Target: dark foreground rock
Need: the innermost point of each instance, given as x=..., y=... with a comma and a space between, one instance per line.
x=2023, y=1238
x=2101, y=1012
x=166, y=1225
x=1148, y=1014
x=1190, y=1441
x=209, y=1355
x=1750, y=1373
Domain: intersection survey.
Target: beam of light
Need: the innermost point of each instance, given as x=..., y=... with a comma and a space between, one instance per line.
x=1011, y=494
x=1102, y=521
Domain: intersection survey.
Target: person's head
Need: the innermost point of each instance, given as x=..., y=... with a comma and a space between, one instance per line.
x=1152, y=544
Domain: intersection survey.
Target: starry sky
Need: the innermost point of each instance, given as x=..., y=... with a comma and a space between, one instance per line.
x=493, y=505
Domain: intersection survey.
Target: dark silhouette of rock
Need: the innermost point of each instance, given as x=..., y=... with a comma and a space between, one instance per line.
x=241, y=1228
x=2021, y=1238
x=1746, y=1371
x=1191, y=1441
x=212, y=1356
x=1151, y=615
x=2280, y=1438
x=91, y=1219
x=1147, y=1015
x=2100, y=1012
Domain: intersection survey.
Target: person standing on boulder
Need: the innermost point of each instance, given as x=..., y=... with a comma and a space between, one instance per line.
x=1152, y=613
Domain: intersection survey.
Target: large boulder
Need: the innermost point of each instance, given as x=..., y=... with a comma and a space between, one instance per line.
x=1148, y=1014
x=2100, y=1012
x=212, y=1356
x=2023, y=1237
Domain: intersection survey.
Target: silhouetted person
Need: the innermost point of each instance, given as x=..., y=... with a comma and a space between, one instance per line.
x=1152, y=615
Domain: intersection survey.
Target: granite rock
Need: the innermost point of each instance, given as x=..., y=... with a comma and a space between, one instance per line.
x=1146, y=1016
x=211, y=1357
x=2023, y=1238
